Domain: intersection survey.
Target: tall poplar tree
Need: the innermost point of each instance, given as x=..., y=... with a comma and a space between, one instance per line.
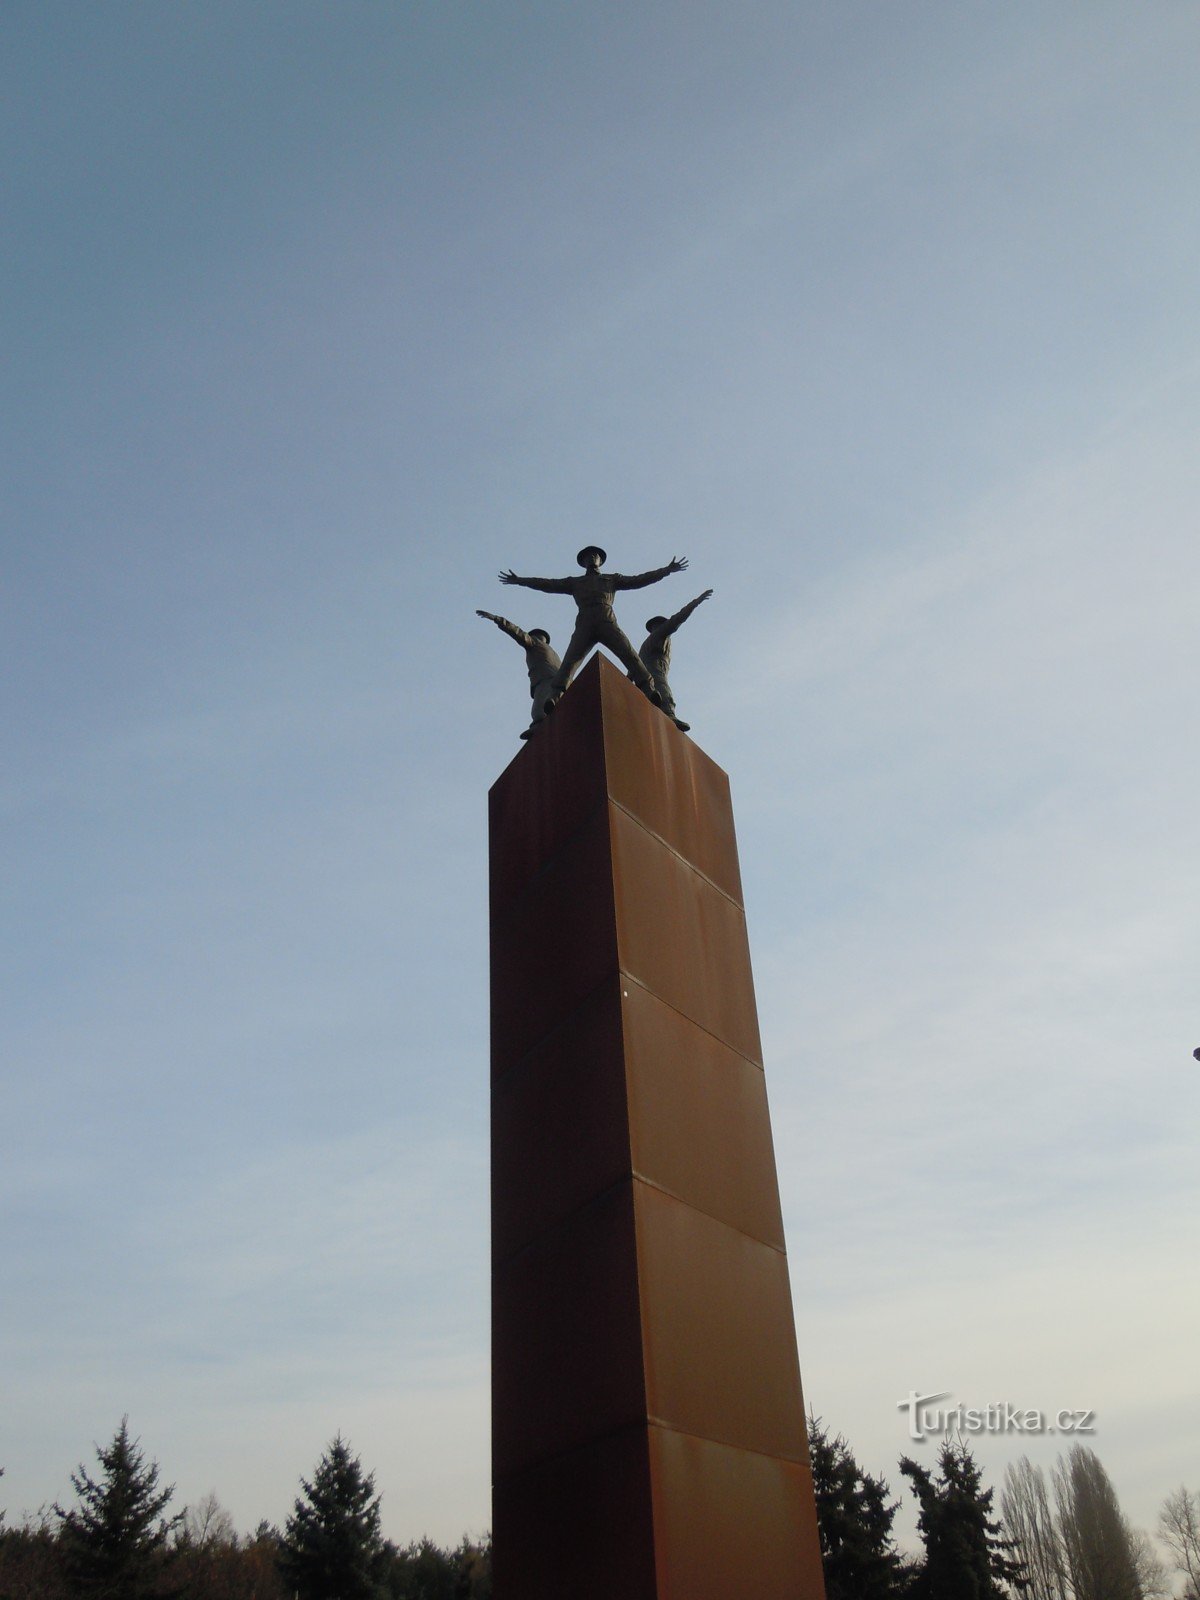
x=1099, y=1549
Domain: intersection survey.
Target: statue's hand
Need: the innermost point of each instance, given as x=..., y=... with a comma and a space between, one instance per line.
x=509, y=576
x=486, y=614
x=677, y=564
x=707, y=595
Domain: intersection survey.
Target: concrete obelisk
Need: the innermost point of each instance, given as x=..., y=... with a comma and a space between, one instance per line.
x=648, y=1431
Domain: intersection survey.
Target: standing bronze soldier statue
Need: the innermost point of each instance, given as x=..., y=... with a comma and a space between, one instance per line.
x=542, y=662
x=593, y=594
x=656, y=654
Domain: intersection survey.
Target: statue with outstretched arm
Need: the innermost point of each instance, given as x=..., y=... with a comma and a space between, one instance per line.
x=656, y=654
x=542, y=662
x=595, y=624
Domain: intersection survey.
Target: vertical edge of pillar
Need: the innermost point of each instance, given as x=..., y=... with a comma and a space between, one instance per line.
x=572, y=1507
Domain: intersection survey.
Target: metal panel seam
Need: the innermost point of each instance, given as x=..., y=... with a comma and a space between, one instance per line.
x=678, y=854
x=628, y=977
x=700, y=1211
x=724, y=1444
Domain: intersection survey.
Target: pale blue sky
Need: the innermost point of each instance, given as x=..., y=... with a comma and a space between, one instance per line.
x=315, y=316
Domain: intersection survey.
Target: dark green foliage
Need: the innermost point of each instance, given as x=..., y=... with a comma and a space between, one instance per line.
x=474, y=1569
x=33, y=1567
x=966, y=1555
x=114, y=1542
x=854, y=1516
x=332, y=1548
x=31, y=1563
x=1097, y=1542
x=422, y=1571
x=259, y=1566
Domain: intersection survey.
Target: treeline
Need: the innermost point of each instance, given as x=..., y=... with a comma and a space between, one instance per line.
x=122, y=1541
x=1057, y=1535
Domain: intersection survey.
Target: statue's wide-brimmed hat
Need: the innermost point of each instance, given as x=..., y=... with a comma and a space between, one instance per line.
x=653, y=623
x=591, y=550
x=539, y=633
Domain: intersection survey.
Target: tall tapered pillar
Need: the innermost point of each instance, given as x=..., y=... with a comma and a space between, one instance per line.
x=648, y=1434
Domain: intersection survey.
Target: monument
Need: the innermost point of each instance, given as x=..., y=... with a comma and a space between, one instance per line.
x=648, y=1428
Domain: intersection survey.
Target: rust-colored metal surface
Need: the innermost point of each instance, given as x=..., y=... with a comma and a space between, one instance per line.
x=648, y=1424
x=698, y=1121
x=729, y=1524
x=681, y=938
x=670, y=786
x=718, y=1340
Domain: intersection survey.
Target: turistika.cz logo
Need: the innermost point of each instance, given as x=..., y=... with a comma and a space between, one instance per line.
x=926, y=1415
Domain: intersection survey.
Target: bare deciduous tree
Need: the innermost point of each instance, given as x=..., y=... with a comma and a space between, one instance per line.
x=1029, y=1521
x=1179, y=1529
x=1153, y=1577
x=207, y=1523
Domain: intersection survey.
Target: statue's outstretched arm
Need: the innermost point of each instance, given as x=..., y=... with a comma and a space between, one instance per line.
x=505, y=626
x=685, y=612
x=546, y=585
x=642, y=580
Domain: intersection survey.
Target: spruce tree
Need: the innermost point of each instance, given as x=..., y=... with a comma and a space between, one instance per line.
x=966, y=1555
x=115, y=1541
x=854, y=1516
x=332, y=1547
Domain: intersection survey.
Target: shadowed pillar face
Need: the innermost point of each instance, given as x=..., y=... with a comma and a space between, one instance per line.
x=648, y=1423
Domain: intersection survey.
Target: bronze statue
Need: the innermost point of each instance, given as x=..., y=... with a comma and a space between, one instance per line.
x=542, y=662
x=656, y=654
x=596, y=624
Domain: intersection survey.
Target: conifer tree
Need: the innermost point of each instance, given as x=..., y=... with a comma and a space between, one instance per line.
x=966, y=1555
x=114, y=1541
x=854, y=1516
x=332, y=1547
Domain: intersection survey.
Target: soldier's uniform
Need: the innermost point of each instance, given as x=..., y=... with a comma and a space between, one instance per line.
x=593, y=593
x=656, y=653
x=656, y=657
x=542, y=662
